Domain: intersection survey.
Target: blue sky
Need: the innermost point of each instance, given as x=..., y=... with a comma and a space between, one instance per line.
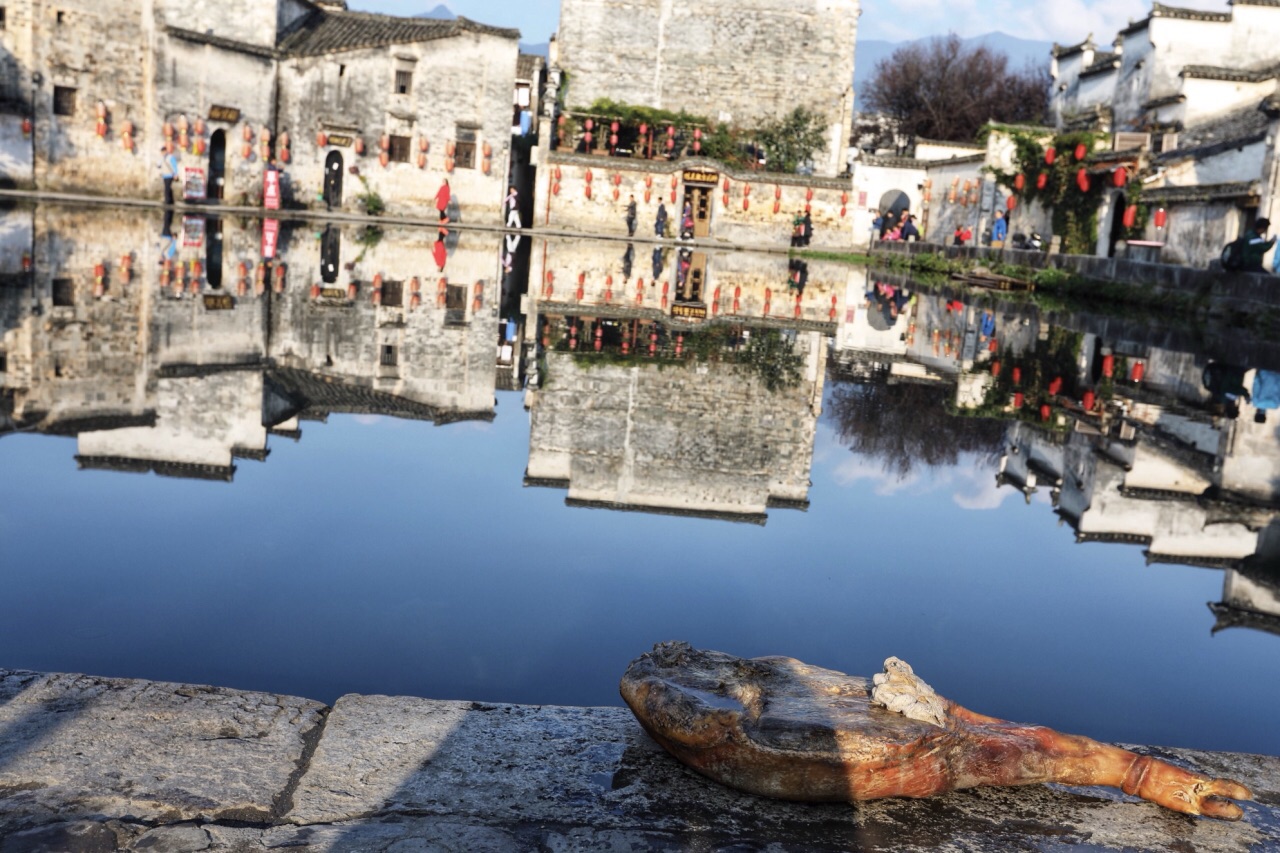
x=1061, y=20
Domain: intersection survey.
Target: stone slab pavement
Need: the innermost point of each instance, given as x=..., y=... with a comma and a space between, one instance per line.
x=93, y=764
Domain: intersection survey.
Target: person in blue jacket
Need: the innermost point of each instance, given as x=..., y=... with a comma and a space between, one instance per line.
x=999, y=229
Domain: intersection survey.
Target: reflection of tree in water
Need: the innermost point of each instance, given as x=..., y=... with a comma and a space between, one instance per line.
x=907, y=424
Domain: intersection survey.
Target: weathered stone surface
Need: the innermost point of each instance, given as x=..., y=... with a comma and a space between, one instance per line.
x=402, y=774
x=78, y=746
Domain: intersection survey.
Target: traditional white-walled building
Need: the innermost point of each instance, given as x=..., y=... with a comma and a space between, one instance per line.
x=90, y=92
x=1191, y=96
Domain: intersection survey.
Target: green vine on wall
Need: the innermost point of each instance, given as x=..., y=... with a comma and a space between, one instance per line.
x=1074, y=211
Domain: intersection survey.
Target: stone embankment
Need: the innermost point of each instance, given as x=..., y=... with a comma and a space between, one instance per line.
x=102, y=764
x=1214, y=292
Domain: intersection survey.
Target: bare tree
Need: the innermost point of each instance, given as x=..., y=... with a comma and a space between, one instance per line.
x=941, y=89
x=907, y=425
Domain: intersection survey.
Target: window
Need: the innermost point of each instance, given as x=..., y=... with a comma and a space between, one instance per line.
x=393, y=294
x=342, y=71
x=2, y=18
x=455, y=305
x=61, y=18
x=64, y=101
x=404, y=79
x=464, y=156
x=4, y=363
x=64, y=293
x=390, y=355
x=399, y=150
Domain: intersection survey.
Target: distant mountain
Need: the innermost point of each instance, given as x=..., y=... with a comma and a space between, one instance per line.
x=1020, y=51
x=442, y=12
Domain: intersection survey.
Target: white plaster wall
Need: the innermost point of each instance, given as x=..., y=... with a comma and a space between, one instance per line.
x=1095, y=90
x=1209, y=98
x=943, y=151
x=1236, y=164
x=1179, y=43
x=1248, y=594
x=250, y=21
x=1134, y=80
x=1254, y=34
x=462, y=80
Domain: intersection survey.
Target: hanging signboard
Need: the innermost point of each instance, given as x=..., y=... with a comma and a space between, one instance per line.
x=271, y=189
x=194, y=187
x=193, y=231
x=230, y=115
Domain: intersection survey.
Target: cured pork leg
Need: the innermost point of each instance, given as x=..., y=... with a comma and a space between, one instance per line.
x=781, y=728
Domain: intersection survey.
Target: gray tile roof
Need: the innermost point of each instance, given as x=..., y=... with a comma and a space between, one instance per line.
x=1243, y=75
x=333, y=31
x=1102, y=62
x=527, y=65
x=1202, y=193
x=1235, y=129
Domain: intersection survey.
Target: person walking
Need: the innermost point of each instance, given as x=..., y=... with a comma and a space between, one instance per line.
x=1257, y=246
x=806, y=229
x=660, y=223
x=168, y=172
x=631, y=217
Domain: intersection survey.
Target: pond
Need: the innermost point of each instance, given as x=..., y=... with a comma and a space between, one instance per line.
x=346, y=471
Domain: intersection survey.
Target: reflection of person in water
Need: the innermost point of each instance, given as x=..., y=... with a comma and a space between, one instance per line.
x=657, y=264
x=628, y=258
x=1266, y=394
x=798, y=274
x=682, y=267
x=1225, y=384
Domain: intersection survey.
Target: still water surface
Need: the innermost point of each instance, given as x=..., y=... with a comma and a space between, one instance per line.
x=383, y=553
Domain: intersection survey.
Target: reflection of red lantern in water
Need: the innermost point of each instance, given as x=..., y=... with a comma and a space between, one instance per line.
x=1055, y=386
x=1088, y=401
x=1017, y=376
x=1050, y=154
x=1018, y=400
x=1108, y=365
x=1119, y=177
x=1044, y=411
x=995, y=368
x=1081, y=151
x=1082, y=180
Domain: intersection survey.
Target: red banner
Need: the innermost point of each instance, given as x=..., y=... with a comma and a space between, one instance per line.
x=270, y=236
x=271, y=189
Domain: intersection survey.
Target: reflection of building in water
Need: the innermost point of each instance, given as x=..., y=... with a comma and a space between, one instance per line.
x=665, y=392
x=181, y=353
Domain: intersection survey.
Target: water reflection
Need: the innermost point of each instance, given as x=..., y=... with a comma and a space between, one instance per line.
x=692, y=386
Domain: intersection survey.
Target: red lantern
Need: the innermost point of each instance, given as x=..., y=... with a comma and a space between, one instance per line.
x=1137, y=372
x=1042, y=180
x=995, y=368
x=1119, y=177
x=586, y=137
x=613, y=127
x=1055, y=386
x=1088, y=401
x=671, y=131
x=588, y=124
x=1011, y=202
x=1018, y=400
x=1108, y=365
x=1019, y=182
x=1050, y=154
x=1130, y=215
x=26, y=127
x=588, y=176
x=1017, y=376
x=1082, y=180
x=644, y=129
x=1081, y=151
x=1161, y=217
x=1044, y=411
x=322, y=139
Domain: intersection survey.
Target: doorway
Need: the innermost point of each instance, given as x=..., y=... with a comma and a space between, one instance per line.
x=217, y=165
x=699, y=200
x=213, y=252
x=691, y=274
x=1118, y=204
x=330, y=253
x=333, y=180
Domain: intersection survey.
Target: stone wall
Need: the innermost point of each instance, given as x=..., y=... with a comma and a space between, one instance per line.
x=699, y=440
x=444, y=357
x=772, y=200
x=460, y=82
x=741, y=62
x=561, y=269
x=98, y=52
x=255, y=22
